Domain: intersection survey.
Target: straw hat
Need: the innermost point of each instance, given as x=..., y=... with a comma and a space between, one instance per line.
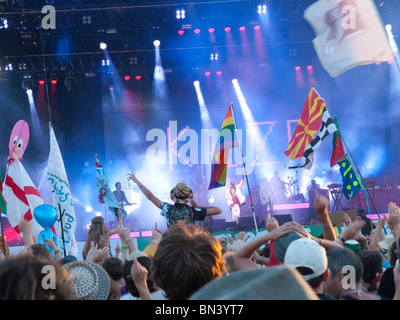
x=91, y=281
x=181, y=193
x=387, y=242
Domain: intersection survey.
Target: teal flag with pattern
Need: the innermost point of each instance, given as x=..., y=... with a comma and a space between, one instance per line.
x=352, y=184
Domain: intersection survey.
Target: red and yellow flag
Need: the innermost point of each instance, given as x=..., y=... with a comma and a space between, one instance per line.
x=308, y=125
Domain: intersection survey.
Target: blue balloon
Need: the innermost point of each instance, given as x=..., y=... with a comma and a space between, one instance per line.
x=45, y=215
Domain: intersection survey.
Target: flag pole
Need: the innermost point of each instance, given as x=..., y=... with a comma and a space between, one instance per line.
x=245, y=172
x=45, y=76
x=62, y=227
x=363, y=182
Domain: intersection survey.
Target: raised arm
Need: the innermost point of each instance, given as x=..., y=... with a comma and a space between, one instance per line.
x=243, y=256
x=321, y=206
x=241, y=182
x=25, y=228
x=149, y=195
x=211, y=211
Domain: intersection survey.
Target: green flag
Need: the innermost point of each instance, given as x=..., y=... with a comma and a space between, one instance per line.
x=351, y=182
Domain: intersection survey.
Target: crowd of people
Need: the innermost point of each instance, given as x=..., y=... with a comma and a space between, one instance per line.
x=187, y=262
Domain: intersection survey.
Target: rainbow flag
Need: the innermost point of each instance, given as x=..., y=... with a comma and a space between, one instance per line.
x=227, y=139
x=308, y=125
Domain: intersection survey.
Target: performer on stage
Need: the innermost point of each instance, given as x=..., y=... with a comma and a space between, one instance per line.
x=120, y=196
x=235, y=198
x=266, y=194
x=278, y=188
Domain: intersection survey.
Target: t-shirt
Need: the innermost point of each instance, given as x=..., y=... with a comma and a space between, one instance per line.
x=188, y=214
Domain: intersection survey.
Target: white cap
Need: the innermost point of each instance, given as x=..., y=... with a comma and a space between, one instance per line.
x=305, y=252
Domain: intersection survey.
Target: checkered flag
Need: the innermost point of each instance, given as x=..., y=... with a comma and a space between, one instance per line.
x=328, y=126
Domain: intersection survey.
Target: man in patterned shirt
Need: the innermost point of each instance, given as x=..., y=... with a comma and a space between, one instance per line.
x=181, y=195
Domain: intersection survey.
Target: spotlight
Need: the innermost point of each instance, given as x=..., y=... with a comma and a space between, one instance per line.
x=214, y=56
x=309, y=67
x=211, y=30
x=256, y=27
x=234, y=81
x=219, y=73
x=89, y=209
x=242, y=28
x=388, y=27
x=262, y=9
x=156, y=43
x=181, y=32
x=138, y=77
x=105, y=62
x=196, y=83
x=180, y=14
x=5, y=24
x=41, y=82
x=207, y=73
x=196, y=31
x=127, y=78
x=297, y=68
x=27, y=83
x=227, y=29
x=103, y=46
x=8, y=67
x=53, y=78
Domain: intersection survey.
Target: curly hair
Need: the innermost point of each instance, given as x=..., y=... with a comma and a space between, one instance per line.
x=187, y=258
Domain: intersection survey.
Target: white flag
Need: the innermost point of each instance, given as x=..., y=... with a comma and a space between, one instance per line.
x=349, y=33
x=21, y=196
x=62, y=200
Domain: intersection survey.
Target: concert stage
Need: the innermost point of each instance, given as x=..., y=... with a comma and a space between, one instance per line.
x=298, y=212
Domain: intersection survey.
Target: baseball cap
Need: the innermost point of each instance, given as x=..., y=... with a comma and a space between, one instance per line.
x=305, y=252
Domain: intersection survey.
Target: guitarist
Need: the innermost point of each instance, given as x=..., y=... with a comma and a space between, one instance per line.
x=235, y=199
x=120, y=195
x=278, y=188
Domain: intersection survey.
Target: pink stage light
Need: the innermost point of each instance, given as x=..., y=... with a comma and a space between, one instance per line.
x=219, y=73
x=242, y=28
x=41, y=82
x=196, y=31
x=211, y=30
x=181, y=32
x=297, y=68
x=138, y=77
x=309, y=67
x=256, y=27
x=227, y=29
x=127, y=78
x=207, y=73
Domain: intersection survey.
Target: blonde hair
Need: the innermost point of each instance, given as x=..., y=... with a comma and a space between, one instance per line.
x=96, y=233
